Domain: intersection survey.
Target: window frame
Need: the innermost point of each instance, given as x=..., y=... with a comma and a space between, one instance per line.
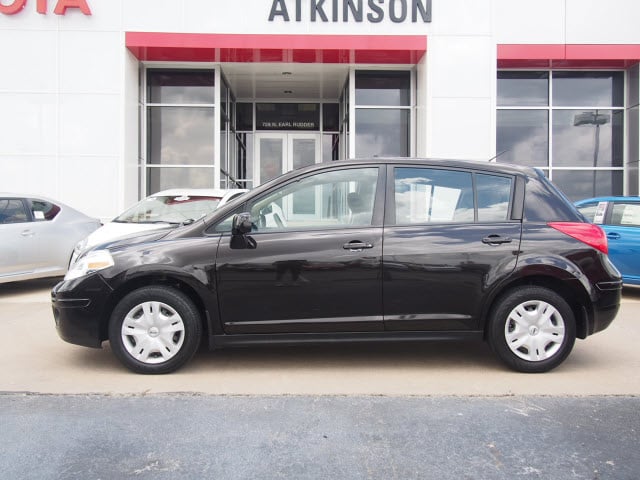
x=513, y=212
x=550, y=168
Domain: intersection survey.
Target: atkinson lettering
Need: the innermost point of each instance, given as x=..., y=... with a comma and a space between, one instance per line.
x=345, y=11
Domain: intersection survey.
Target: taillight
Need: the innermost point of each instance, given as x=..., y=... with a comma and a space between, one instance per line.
x=587, y=233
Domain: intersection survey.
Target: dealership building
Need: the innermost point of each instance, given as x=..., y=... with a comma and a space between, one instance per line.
x=105, y=101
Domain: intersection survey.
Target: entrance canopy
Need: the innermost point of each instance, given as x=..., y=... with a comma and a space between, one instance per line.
x=344, y=49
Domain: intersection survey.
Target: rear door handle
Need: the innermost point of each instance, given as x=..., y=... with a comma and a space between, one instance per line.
x=356, y=246
x=613, y=236
x=496, y=239
x=27, y=233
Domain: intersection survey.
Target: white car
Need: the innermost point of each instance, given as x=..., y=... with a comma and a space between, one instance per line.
x=168, y=208
x=38, y=235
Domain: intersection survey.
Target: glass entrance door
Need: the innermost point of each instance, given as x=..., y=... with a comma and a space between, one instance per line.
x=277, y=153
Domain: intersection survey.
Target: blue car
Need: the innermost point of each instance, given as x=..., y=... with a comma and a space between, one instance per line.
x=620, y=219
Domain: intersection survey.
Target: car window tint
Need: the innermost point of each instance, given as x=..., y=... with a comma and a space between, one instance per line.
x=12, y=211
x=494, y=193
x=43, y=210
x=626, y=214
x=428, y=195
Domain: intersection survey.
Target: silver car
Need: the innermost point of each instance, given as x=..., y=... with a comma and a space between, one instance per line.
x=37, y=236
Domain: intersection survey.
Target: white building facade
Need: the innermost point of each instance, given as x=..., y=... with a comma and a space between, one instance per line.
x=105, y=101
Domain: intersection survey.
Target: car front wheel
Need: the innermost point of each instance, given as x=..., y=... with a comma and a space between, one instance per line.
x=155, y=330
x=532, y=329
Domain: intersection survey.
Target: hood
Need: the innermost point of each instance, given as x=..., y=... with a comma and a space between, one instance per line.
x=133, y=239
x=115, y=231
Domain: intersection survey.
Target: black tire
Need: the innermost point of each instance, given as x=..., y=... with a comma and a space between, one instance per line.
x=163, y=339
x=532, y=329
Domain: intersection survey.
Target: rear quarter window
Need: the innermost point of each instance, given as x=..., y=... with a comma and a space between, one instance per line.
x=43, y=210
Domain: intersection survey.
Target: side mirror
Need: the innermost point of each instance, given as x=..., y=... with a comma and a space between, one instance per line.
x=241, y=224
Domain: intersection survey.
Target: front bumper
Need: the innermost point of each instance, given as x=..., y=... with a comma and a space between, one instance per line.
x=79, y=310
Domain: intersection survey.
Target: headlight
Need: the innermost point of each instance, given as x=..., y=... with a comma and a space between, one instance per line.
x=91, y=262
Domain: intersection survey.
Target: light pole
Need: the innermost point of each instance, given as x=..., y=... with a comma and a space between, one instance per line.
x=597, y=119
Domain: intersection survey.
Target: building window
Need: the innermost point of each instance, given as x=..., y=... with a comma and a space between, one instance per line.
x=180, y=109
x=383, y=113
x=569, y=124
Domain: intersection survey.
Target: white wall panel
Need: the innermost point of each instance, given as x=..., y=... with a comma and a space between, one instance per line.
x=461, y=17
x=463, y=66
x=597, y=21
x=461, y=128
x=524, y=21
x=91, y=62
x=90, y=124
x=32, y=174
x=28, y=123
x=155, y=16
x=106, y=15
x=29, y=61
x=89, y=184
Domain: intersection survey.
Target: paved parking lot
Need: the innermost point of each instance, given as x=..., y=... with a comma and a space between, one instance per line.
x=34, y=359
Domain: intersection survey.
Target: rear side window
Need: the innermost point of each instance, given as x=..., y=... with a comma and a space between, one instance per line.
x=626, y=214
x=44, y=211
x=494, y=193
x=12, y=211
x=429, y=195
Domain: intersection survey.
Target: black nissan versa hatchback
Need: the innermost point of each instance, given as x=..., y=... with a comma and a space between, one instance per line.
x=351, y=251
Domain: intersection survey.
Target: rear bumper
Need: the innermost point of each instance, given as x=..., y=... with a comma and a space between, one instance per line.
x=78, y=310
x=606, y=307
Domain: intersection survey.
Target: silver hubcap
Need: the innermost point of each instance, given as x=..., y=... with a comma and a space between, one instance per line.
x=534, y=330
x=152, y=332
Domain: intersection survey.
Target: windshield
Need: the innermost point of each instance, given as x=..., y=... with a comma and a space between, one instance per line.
x=169, y=209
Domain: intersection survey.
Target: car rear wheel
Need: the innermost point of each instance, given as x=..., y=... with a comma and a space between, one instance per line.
x=532, y=329
x=155, y=330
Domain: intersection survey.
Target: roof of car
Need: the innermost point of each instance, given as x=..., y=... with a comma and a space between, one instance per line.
x=198, y=192
x=609, y=199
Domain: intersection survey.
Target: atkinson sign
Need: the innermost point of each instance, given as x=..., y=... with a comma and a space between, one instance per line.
x=345, y=11
x=16, y=6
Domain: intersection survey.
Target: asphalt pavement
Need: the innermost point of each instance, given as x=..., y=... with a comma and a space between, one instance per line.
x=429, y=411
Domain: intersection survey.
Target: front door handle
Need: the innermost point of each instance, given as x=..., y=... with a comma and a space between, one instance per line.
x=613, y=236
x=496, y=239
x=27, y=233
x=357, y=246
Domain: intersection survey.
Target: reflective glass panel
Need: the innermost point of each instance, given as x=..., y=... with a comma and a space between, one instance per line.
x=523, y=137
x=523, y=89
x=271, y=158
x=180, y=86
x=383, y=88
x=592, y=138
x=588, y=89
x=165, y=178
x=578, y=185
x=382, y=132
x=181, y=135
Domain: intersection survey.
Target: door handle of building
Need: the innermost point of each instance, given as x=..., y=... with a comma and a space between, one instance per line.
x=357, y=246
x=496, y=239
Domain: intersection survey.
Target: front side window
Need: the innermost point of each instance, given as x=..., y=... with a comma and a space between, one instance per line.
x=626, y=214
x=12, y=211
x=335, y=199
